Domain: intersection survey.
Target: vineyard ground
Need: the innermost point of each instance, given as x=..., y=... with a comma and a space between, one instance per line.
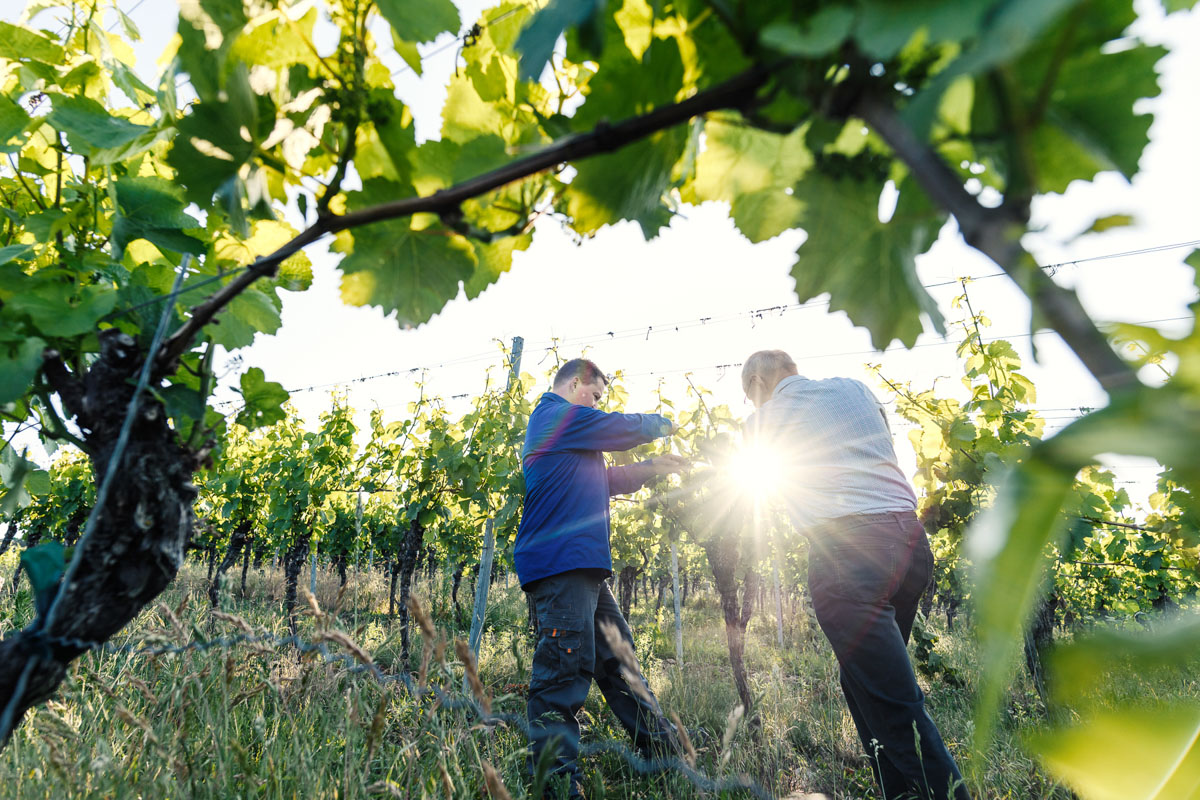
x=250, y=721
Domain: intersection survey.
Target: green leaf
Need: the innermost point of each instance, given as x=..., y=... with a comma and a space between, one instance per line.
x=885, y=26
x=627, y=86
x=1006, y=545
x=822, y=34
x=1109, y=222
x=754, y=171
x=13, y=120
x=14, y=252
x=867, y=266
x=1093, y=106
x=537, y=40
x=278, y=42
x=45, y=565
x=264, y=400
x=250, y=313
x=442, y=163
x=628, y=184
x=215, y=139
x=492, y=261
x=1082, y=668
x=88, y=125
x=412, y=266
x=1130, y=754
x=1011, y=27
x=408, y=51
x=20, y=478
x=18, y=366
x=152, y=209
x=61, y=309
x=17, y=44
x=422, y=21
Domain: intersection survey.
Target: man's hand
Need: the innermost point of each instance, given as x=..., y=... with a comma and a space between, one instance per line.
x=669, y=464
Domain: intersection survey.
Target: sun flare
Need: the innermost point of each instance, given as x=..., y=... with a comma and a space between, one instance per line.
x=756, y=469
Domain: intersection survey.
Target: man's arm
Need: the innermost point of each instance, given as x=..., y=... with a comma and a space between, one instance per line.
x=583, y=428
x=628, y=479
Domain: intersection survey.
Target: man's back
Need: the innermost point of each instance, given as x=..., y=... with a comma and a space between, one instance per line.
x=836, y=448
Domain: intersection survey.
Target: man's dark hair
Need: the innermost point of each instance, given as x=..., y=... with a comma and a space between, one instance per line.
x=581, y=368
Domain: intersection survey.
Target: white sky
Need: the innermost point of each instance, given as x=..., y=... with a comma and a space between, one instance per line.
x=702, y=268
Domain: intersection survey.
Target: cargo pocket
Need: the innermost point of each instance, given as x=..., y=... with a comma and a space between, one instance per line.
x=557, y=657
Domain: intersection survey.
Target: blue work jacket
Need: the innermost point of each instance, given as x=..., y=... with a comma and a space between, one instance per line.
x=564, y=523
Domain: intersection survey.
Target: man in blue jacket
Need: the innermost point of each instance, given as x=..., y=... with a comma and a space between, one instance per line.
x=563, y=558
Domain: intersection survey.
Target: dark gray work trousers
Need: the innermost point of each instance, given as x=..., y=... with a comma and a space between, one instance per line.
x=571, y=653
x=867, y=574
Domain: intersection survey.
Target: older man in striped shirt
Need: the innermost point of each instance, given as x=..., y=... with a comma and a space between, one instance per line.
x=869, y=561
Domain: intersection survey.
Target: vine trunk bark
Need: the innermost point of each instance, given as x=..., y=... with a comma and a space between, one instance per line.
x=137, y=545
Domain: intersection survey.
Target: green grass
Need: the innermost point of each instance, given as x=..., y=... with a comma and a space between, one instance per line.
x=265, y=723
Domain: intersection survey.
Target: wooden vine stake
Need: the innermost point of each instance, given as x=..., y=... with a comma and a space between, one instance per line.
x=483, y=579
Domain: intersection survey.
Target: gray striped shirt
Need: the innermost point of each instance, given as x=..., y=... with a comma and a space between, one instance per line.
x=835, y=447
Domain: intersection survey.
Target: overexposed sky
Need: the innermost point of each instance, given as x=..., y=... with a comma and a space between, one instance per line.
x=684, y=301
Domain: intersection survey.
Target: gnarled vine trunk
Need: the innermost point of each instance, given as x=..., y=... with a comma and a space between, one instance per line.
x=237, y=543
x=293, y=563
x=1038, y=641
x=724, y=557
x=410, y=547
x=626, y=580
x=138, y=542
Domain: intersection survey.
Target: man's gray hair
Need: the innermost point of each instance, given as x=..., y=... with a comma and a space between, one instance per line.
x=767, y=364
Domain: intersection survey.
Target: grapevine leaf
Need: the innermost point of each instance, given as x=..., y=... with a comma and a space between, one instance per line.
x=13, y=252
x=628, y=184
x=1008, y=543
x=885, y=26
x=1084, y=665
x=537, y=40
x=215, y=139
x=420, y=22
x=492, y=261
x=824, y=32
x=1011, y=28
x=408, y=51
x=20, y=479
x=411, y=266
x=867, y=266
x=628, y=86
x=754, y=171
x=442, y=163
x=1109, y=222
x=13, y=120
x=1127, y=754
x=249, y=313
x=88, y=125
x=264, y=400
x=62, y=309
x=18, y=365
x=277, y=42
x=1093, y=108
x=17, y=44
x=45, y=565
x=152, y=209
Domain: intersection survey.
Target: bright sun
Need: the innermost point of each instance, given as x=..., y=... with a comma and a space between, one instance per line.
x=756, y=470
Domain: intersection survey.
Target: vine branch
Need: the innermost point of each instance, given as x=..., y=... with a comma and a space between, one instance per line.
x=995, y=232
x=604, y=138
